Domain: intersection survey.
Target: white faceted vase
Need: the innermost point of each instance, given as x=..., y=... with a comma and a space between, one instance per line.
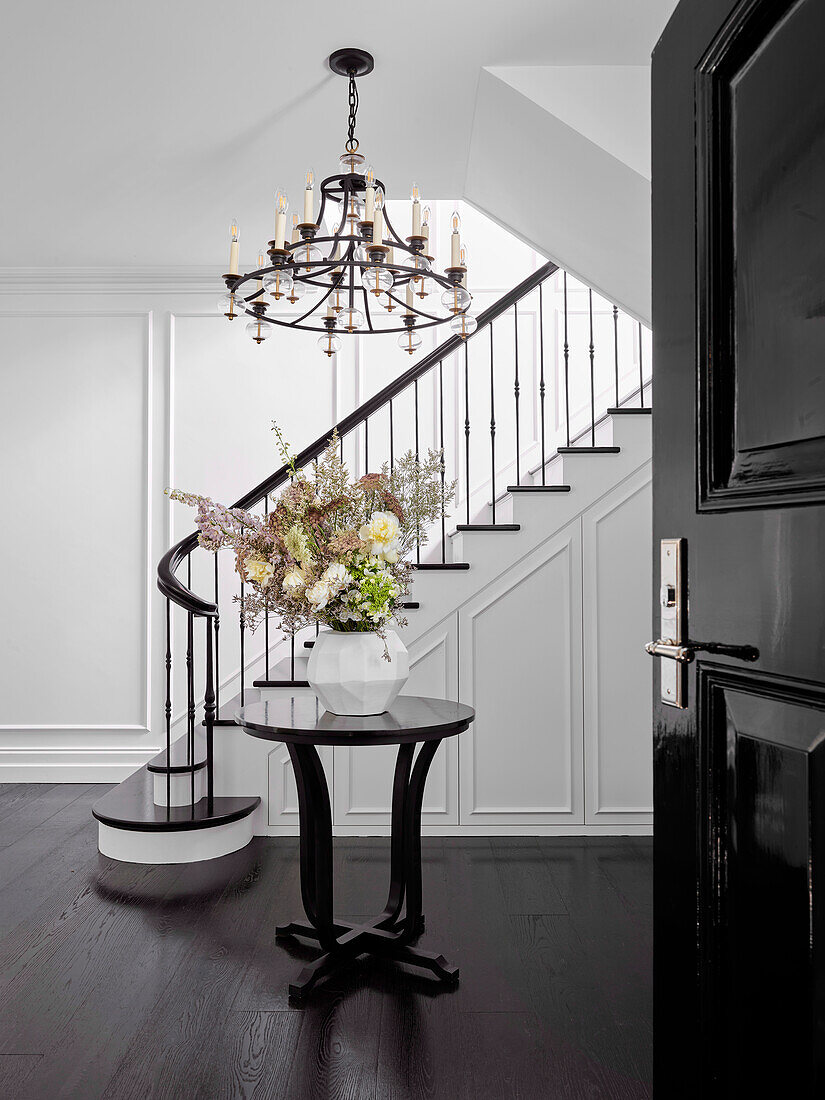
x=349, y=674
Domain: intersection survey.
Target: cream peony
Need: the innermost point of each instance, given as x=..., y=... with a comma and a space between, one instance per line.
x=294, y=580
x=259, y=571
x=336, y=576
x=381, y=536
x=319, y=595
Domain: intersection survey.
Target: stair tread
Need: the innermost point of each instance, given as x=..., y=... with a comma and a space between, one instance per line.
x=538, y=488
x=589, y=450
x=131, y=806
x=625, y=410
x=281, y=684
x=488, y=527
x=443, y=565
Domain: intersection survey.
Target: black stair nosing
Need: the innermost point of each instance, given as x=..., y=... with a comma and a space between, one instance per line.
x=626, y=411
x=589, y=450
x=280, y=684
x=433, y=566
x=411, y=605
x=310, y=644
x=131, y=806
x=539, y=488
x=158, y=767
x=488, y=527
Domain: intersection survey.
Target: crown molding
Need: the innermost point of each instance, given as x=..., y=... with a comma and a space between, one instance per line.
x=111, y=280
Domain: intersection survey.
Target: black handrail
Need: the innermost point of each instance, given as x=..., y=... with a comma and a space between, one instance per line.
x=176, y=591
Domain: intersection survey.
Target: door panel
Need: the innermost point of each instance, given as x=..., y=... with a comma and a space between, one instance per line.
x=739, y=474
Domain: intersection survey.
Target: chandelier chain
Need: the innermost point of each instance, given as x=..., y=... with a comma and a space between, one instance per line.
x=352, y=141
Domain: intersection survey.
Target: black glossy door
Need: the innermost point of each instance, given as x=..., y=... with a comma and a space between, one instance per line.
x=739, y=472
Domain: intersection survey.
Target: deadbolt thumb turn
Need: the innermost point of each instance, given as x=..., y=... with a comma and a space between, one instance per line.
x=673, y=642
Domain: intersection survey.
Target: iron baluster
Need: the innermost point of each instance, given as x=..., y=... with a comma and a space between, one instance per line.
x=566, y=364
x=467, y=427
x=367, y=446
x=443, y=469
x=417, y=529
x=542, y=386
x=492, y=427
x=242, y=625
x=190, y=700
x=266, y=609
x=292, y=657
x=592, y=377
x=516, y=394
x=217, y=637
x=392, y=443
x=616, y=350
x=209, y=710
x=168, y=704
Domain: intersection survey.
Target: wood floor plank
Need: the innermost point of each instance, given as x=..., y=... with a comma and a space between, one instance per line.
x=15, y=795
x=123, y=982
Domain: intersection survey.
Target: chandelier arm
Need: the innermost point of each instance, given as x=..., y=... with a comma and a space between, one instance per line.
x=396, y=238
x=298, y=322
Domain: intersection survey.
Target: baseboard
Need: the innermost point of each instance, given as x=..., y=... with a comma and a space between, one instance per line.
x=71, y=765
x=477, y=830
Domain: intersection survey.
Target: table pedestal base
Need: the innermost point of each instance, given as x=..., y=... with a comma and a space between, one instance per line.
x=391, y=934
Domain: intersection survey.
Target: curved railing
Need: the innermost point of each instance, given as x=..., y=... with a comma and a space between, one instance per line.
x=197, y=606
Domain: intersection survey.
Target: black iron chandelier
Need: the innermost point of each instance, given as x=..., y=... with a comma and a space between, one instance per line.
x=355, y=280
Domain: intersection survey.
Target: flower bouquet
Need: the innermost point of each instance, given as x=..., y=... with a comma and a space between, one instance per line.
x=334, y=551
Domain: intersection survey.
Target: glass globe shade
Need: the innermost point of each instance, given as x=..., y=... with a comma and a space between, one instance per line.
x=259, y=330
x=359, y=254
x=421, y=263
x=350, y=319
x=226, y=305
x=277, y=283
x=297, y=291
x=307, y=254
x=463, y=325
x=456, y=299
x=330, y=343
x=377, y=280
x=410, y=341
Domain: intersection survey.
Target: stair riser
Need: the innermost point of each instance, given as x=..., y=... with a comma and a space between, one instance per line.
x=182, y=846
x=180, y=788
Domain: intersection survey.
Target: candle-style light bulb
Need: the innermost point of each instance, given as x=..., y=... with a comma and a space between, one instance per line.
x=234, y=236
x=463, y=260
x=261, y=263
x=378, y=217
x=309, y=197
x=369, y=200
x=425, y=224
x=455, y=239
x=281, y=207
x=295, y=233
x=415, y=196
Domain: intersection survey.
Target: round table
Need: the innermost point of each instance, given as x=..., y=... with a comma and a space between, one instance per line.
x=300, y=722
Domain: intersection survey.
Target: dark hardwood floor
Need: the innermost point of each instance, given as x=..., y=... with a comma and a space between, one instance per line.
x=120, y=981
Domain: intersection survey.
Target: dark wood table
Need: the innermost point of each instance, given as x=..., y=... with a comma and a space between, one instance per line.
x=300, y=722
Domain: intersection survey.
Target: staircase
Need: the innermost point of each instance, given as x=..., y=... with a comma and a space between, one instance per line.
x=211, y=789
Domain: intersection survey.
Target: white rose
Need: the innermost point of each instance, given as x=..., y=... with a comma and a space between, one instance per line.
x=259, y=571
x=381, y=534
x=294, y=580
x=319, y=595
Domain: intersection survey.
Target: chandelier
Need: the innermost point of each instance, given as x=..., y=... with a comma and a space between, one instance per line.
x=363, y=277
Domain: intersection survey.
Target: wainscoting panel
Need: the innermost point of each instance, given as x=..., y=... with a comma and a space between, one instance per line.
x=363, y=775
x=617, y=672
x=521, y=761
x=76, y=423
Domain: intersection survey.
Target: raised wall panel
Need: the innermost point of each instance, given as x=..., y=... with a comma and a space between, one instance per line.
x=76, y=423
x=521, y=668
x=616, y=548
x=363, y=775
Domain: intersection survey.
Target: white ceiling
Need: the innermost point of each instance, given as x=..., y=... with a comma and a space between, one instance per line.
x=132, y=133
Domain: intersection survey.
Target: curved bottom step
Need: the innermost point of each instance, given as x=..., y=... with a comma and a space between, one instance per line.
x=133, y=829
x=173, y=846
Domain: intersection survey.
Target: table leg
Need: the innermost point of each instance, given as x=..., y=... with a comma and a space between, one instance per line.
x=390, y=934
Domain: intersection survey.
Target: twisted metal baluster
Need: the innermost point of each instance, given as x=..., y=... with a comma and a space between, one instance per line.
x=492, y=426
x=616, y=350
x=592, y=376
x=566, y=364
x=542, y=387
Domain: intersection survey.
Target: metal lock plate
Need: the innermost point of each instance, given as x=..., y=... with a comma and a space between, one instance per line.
x=673, y=619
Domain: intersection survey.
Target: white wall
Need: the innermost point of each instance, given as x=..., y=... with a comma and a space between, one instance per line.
x=554, y=187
